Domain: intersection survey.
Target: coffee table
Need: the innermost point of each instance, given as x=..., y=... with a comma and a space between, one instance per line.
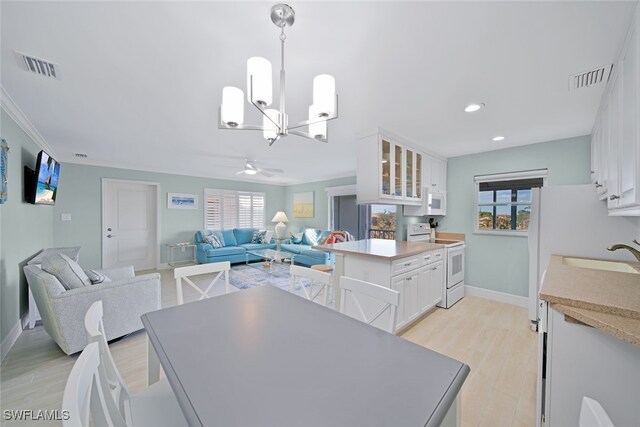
x=273, y=261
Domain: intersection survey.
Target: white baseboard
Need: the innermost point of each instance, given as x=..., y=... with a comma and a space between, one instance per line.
x=12, y=337
x=164, y=266
x=496, y=296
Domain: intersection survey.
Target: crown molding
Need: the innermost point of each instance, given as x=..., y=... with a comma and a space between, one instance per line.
x=8, y=104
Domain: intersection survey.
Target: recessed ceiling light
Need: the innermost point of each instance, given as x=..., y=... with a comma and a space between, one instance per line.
x=497, y=138
x=473, y=107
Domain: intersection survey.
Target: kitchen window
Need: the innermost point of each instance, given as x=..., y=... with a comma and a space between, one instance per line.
x=503, y=201
x=226, y=209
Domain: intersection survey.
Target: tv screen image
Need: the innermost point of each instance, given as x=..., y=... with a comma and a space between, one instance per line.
x=48, y=172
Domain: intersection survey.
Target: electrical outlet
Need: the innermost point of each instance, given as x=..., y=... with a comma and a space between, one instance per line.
x=65, y=217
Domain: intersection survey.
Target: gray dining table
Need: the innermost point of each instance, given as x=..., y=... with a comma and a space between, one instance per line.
x=266, y=357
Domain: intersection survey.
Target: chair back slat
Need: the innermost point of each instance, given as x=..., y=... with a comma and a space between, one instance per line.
x=388, y=300
x=86, y=396
x=94, y=328
x=319, y=279
x=193, y=270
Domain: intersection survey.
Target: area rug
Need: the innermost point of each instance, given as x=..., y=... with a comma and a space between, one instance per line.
x=247, y=277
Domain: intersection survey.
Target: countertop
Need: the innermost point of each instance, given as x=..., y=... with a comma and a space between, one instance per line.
x=606, y=300
x=381, y=248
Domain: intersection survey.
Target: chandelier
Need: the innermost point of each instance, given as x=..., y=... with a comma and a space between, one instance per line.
x=275, y=123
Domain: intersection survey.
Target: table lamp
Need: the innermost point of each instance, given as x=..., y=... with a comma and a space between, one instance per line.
x=280, y=228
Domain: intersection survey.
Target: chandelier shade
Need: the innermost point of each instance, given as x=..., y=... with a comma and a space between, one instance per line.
x=259, y=89
x=275, y=123
x=318, y=126
x=324, y=94
x=232, y=106
x=269, y=123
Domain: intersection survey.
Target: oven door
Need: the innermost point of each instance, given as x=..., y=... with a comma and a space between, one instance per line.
x=437, y=203
x=455, y=265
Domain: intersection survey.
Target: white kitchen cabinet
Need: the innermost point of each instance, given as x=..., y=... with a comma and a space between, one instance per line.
x=419, y=278
x=389, y=170
x=436, y=174
x=615, y=151
x=583, y=361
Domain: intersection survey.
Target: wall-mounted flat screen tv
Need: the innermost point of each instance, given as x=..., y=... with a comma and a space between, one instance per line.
x=43, y=186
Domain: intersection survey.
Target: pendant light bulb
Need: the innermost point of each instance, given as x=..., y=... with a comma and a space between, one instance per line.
x=259, y=90
x=232, y=106
x=270, y=129
x=324, y=94
x=317, y=130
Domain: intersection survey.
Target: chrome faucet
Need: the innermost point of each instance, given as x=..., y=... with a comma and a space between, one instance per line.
x=634, y=251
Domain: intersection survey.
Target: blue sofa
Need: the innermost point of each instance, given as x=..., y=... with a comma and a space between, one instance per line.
x=236, y=243
x=303, y=253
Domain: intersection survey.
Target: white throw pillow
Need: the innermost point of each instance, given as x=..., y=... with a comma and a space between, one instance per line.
x=66, y=270
x=268, y=237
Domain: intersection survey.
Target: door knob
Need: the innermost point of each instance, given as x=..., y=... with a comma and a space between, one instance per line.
x=613, y=197
x=110, y=236
x=109, y=229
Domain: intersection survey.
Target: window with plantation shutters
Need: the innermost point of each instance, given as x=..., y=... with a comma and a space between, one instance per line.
x=226, y=209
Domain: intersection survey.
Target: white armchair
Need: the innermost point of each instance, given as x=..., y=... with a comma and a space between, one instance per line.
x=125, y=299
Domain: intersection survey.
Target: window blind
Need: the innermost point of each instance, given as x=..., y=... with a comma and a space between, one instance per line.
x=226, y=209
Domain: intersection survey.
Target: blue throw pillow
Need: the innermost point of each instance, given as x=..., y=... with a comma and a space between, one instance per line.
x=229, y=238
x=258, y=236
x=296, y=240
x=213, y=240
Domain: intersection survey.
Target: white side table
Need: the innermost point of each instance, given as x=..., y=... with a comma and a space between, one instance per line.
x=183, y=248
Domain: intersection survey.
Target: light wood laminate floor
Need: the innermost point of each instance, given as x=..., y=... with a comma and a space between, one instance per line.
x=491, y=337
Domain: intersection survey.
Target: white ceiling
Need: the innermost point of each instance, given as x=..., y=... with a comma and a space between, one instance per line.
x=142, y=81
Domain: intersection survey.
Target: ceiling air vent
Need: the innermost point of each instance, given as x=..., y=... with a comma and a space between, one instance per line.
x=590, y=78
x=39, y=66
x=80, y=155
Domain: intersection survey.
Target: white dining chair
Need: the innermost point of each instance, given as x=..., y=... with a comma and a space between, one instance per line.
x=138, y=409
x=183, y=273
x=317, y=285
x=354, y=290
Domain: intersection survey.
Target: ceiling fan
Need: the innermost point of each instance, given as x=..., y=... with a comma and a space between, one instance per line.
x=250, y=168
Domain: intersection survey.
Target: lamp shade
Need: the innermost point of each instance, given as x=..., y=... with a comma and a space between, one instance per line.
x=280, y=216
x=324, y=94
x=232, y=106
x=260, y=70
x=317, y=130
x=270, y=129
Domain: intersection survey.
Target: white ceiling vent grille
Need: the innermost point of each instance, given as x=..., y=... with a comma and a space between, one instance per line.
x=39, y=66
x=590, y=78
x=80, y=155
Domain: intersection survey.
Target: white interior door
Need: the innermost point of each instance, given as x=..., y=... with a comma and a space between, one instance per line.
x=129, y=224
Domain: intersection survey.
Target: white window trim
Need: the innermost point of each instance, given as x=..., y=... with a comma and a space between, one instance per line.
x=510, y=176
x=237, y=194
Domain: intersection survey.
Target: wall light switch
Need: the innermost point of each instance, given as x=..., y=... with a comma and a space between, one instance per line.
x=65, y=217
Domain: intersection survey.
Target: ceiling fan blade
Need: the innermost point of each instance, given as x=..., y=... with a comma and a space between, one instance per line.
x=239, y=172
x=267, y=174
x=273, y=170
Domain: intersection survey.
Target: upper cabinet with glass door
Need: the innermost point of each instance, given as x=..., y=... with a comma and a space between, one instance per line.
x=388, y=171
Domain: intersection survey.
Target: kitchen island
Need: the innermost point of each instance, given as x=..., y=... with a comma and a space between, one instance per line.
x=415, y=269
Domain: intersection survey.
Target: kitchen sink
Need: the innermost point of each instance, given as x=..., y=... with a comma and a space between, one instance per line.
x=600, y=265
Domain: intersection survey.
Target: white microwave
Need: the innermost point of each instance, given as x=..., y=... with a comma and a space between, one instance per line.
x=437, y=203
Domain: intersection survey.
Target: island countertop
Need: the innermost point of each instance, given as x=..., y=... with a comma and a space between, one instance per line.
x=606, y=300
x=381, y=248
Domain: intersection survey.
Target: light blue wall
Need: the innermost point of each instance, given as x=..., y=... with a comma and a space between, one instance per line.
x=501, y=263
x=80, y=194
x=25, y=228
x=321, y=208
